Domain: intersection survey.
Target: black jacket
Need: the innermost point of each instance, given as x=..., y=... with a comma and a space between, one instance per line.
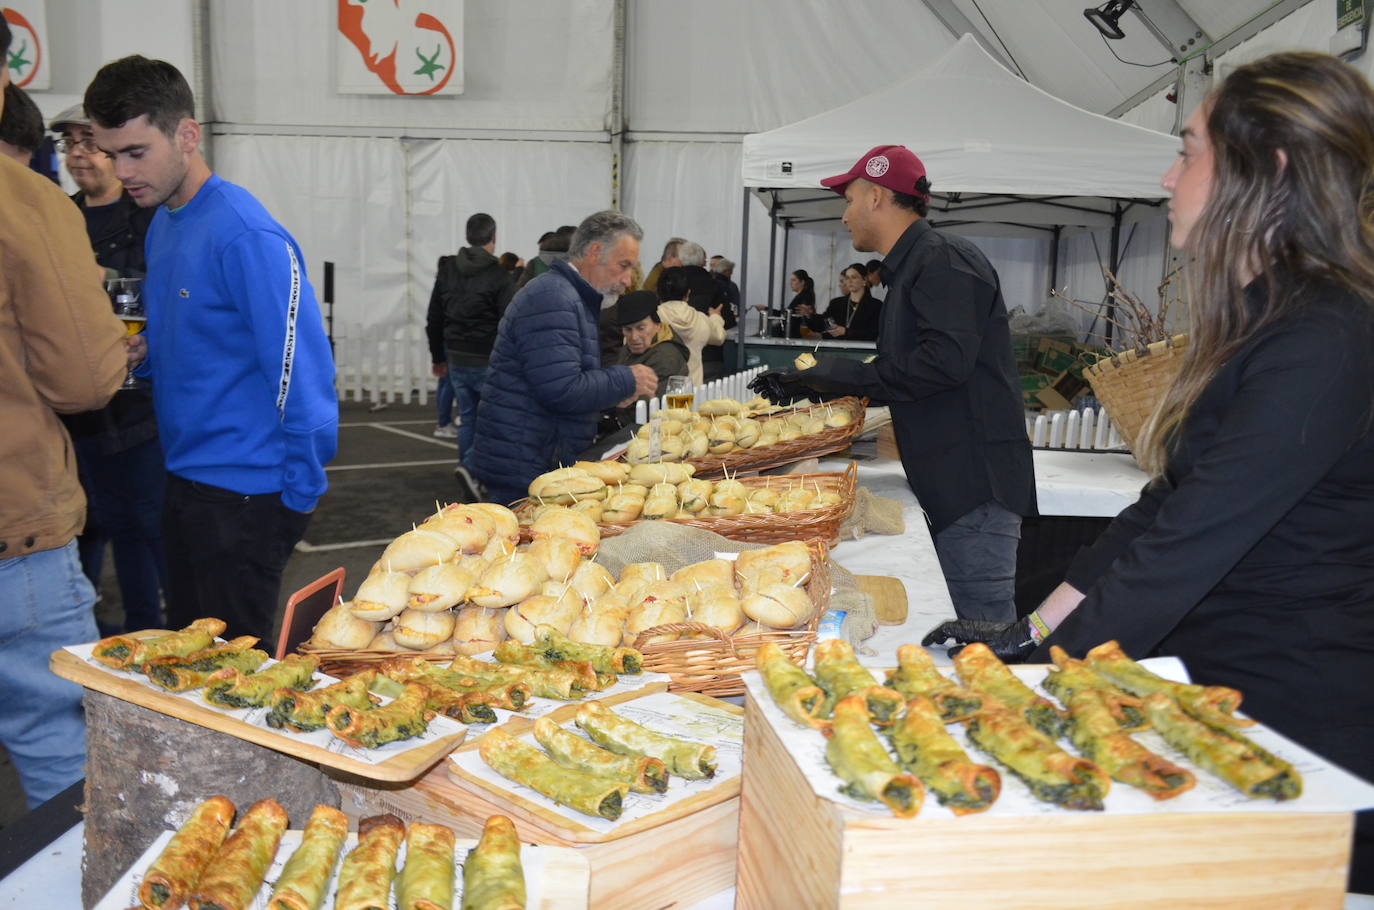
x=945, y=367
x=471, y=291
x=118, y=238
x=861, y=321
x=1252, y=558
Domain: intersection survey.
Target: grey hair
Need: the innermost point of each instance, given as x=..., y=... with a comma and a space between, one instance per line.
x=691, y=253
x=723, y=266
x=670, y=248
x=603, y=228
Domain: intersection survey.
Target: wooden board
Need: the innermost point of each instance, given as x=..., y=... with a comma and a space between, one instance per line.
x=401, y=767
x=800, y=850
x=889, y=597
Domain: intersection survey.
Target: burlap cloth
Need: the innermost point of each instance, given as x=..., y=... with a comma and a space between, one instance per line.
x=872, y=515
x=676, y=546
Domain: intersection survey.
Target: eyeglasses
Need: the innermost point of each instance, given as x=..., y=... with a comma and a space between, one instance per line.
x=88, y=146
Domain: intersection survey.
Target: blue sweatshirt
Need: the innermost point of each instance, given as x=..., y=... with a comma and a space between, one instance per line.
x=243, y=378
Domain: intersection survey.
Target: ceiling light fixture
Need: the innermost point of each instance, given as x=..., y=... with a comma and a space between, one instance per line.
x=1107, y=17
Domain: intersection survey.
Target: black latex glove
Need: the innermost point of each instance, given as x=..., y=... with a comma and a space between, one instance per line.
x=780, y=386
x=1012, y=642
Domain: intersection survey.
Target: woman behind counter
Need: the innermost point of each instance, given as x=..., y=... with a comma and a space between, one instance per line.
x=1250, y=554
x=853, y=316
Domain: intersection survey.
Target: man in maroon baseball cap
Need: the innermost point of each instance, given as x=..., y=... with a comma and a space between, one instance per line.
x=945, y=367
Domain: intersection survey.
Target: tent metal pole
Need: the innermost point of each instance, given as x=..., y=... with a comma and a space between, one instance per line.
x=1054, y=257
x=1115, y=259
x=786, y=242
x=743, y=282
x=772, y=247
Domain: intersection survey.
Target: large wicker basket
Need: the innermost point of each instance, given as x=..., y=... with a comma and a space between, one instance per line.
x=713, y=666
x=835, y=439
x=1130, y=385
x=773, y=527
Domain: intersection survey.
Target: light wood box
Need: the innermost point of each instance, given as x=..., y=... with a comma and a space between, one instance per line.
x=800, y=851
x=673, y=859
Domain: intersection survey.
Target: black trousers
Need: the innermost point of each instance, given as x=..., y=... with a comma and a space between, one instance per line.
x=225, y=555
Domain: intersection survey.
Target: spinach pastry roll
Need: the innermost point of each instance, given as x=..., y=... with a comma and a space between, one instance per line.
x=981, y=671
x=916, y=676
x=124, y=651
x=604, y=659
x=369, y=868
x=426, y=881
x=229, y=688
x=512, y=696
x=169, y=880
x=181, y=674
x=586, y=678
x=367, y=728
x=858, y=758
x=305, y=711
x=1097, y=733
x=840, y=674
x=1053, y=775
x=925, y=749
x=302, y=883
x=468, y=707
x=1222, y=751
x=235, y=874
x=686, y=759
x=642, y=773
x=492, y=876
x=1213, y=705
x=544, y=683
x=1069, y=676
x=526, y=765
x=792, y=688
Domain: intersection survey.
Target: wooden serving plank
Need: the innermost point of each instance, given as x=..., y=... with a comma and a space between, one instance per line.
x=565, y=829
x=404, y=766
x=889, y=597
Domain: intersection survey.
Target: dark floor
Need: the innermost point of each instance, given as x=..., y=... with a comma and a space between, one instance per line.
x=389, y=473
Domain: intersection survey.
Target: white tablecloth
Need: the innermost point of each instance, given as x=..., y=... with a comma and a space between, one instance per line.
x=1094, y=484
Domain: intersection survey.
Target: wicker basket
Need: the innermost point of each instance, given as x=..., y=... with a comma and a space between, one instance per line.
x=713, y=667
x=1130, y=385
x=773, y=527
x=836, y=439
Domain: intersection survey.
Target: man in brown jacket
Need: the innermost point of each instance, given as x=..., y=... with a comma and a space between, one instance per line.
x=61, y=350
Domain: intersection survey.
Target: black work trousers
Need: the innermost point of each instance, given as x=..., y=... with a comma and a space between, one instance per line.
x=225, y=555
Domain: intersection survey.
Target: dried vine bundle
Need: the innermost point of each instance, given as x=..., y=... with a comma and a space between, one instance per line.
x=1139, y=327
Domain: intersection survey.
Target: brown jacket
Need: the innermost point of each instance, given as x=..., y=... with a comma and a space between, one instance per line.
x=61, y=350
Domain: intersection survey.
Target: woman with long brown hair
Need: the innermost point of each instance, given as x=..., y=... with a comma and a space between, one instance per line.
x=1250, y=553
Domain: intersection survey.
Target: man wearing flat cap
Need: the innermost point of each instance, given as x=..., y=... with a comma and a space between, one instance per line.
x=648, y=340
x=945, y=367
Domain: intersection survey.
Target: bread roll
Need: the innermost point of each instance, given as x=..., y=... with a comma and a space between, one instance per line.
x=657, y=508
x=637, y=452
x=655, y=613
x=470, y=528
x=706, y=574
x=591, y=580
x=385, y=641
x=503, y=519
x=720, y=440
x=508, y=581
x=778, y=605
x=608, y=472
x=794, y=500
x=440, y=587
x=839, y=419
x=630, y=488
x=523, y=619
x=725, y=504
x=637, y=576
x=498, y=548
x=695, y=445
x=592, y=508
x=805, y=361
x=558, y=556
x=764, y=496
x=340, y=627
x=621, y=508
x=571, y=489
x=668, y=472
x=381, y=596
x=414, y=550
x=478, y=629
x=611, y=602
x=746, y=434
x=720, y=406
x=826, y=499
x=598, y=628
x=569, y=525
x=537, y=485
x=788, y=563
x=421, y=631
x=694, y=495
x=717, y=606
x=683, y=414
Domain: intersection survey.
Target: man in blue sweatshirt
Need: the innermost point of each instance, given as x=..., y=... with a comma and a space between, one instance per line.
x=241, y=368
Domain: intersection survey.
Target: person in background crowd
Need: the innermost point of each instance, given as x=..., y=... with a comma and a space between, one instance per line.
x=553, y=247
x=723, y=270
x=945, y=367
x=695, y=328
x=873, y=270
x=1250, y=554
x=243, y=378
x=118, y=453
x=650, y=341
x=705, y=295
x=70, y=356
x=471, y=291
x=853, y=316
x=668, y=260
x=803, y=305
x=546, y=386
x=21, y=126
x=511, y=263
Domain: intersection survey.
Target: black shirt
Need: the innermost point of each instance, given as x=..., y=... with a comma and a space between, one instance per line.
x=861, y=320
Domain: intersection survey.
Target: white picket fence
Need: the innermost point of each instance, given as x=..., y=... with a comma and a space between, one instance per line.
x=735, y=386
x=1083, y=429
x=382, y=364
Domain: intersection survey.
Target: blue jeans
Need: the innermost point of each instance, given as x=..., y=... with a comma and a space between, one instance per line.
x=443, y=401
x=124, y=507
x=45, y=604
x=467, y=388
x=978, y=555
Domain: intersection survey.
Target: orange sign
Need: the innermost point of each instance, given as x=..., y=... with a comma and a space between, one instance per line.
x=405, y=46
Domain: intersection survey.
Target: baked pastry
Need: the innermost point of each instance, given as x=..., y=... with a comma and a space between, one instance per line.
x=684, y=758
x=925, y=749
x=526, y=765
x=172, y=876
x=302, y=883
x=980, y=670
x=306, y=711
x=916, y=676
x=643, y=773
x=426, y=881
x=235, y=874
x=492, y=875
x=367, y=871
x=792, y=688
x=857, y=757
x=840, y=675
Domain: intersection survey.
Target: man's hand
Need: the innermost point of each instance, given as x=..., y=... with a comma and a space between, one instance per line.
x=439, y=369
x=646, y=380
x=780, y=386
x=135, y=349
x=1012, y=642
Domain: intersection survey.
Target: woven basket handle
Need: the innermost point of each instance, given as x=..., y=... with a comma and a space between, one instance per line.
x=694, y=628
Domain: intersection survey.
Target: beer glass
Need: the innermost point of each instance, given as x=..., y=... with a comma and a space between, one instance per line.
x=126, y=295
x=678, y=392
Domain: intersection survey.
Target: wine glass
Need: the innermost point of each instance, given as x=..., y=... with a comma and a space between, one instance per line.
x=126, y=295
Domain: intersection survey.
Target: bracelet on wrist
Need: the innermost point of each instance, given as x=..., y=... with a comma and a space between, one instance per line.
x=1038, y=630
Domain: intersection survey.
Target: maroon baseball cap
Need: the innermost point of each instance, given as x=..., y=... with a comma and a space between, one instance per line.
x=892, y=166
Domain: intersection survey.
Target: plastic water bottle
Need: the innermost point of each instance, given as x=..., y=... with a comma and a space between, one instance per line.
x=831, y=624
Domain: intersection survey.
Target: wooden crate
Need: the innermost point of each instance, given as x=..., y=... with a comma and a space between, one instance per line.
x=672, y=859
x=799, y=850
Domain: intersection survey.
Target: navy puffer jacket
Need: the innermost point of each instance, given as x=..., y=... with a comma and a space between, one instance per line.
x=545, y=387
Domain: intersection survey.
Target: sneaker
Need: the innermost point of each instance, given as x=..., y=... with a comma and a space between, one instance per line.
x=469, y=490
x=448, y=431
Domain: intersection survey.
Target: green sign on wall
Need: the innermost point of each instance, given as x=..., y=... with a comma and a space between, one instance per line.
x=1349, y=12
